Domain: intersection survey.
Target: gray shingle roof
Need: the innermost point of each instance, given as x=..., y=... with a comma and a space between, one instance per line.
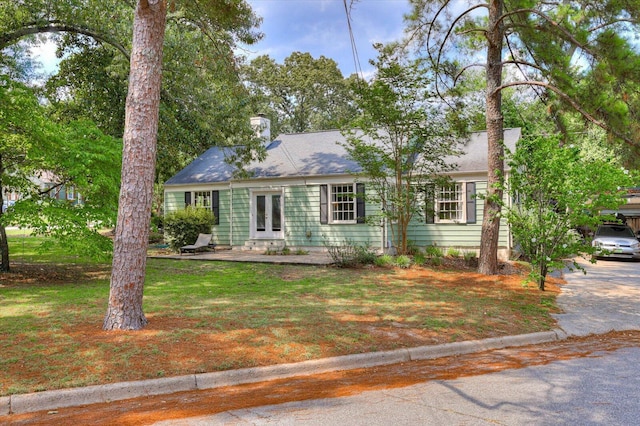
x=315, y=154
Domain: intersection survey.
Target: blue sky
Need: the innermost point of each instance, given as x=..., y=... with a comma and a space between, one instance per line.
x=315, y=26
x=320, y=28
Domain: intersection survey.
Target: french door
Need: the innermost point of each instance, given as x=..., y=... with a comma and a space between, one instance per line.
x=267, y=215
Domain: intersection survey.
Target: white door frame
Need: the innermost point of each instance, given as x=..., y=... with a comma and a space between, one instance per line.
x=268, y=228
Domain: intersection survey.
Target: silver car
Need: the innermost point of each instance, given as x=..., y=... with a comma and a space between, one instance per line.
x=616, y=240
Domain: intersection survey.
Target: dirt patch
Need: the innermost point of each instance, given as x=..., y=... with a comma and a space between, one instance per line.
x=48, y=273
x=148, y=410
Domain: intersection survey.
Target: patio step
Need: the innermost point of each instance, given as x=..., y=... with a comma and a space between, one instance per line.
x=263, y=245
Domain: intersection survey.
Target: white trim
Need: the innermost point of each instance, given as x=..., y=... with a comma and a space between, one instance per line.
x=352, y=201
x=254, y=234
x=463, y=204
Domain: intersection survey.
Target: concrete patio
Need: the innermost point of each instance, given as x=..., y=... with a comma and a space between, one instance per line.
x=227, y=255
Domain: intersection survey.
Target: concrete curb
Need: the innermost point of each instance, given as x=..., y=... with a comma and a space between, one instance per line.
x=51, y=400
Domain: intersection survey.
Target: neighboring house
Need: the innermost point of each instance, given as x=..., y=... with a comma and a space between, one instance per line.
x=630, y=210
x=301, y=196
x=45, y=181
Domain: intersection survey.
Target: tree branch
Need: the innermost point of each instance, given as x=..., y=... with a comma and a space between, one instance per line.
x=55, y=26
x=573, y=103
x=553, y=23
x=606, y=24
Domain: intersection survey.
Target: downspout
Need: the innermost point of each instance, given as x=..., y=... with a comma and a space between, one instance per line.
x=384, y=234
x=231, y=215
x=509, y=234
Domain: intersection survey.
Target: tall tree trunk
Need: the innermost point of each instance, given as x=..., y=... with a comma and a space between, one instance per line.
x=488, y=260
x=138, y=169
x=4, y=244
x=4, y=247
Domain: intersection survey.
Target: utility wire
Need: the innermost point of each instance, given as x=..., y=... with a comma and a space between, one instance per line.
x=354, y=48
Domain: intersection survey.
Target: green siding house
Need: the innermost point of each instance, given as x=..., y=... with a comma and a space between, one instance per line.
x=301, y=196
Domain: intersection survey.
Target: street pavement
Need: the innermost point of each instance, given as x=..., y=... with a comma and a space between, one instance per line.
x=603, y=389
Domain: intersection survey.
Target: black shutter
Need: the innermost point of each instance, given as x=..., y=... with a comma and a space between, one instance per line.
x=471, y=202
x=215, y=206
x=187, y=199
x=430, y=207
x=360, y=213
x=324, y=204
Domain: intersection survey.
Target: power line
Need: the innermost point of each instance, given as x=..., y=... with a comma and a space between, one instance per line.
x=354, y=48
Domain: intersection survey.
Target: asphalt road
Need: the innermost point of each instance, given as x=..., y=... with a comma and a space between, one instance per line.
x=600, y=390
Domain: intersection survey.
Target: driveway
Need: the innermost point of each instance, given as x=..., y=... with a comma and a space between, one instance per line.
x=606, y=298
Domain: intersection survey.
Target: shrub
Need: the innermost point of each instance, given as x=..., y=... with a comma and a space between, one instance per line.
x=433, y=251
x=157, y=223
x=155, y=237
x=412, y=248
x=471, y=258
x=453, y=252
x=403, y=261
x=419, y=258
x=384, y=260
x=351, y=254
x=434, y=261
x=183, y=226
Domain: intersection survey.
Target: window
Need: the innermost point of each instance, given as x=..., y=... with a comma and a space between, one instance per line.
x=202, y=199
x=453, y=203
x=343, y=203
x=70, y=193
x=205, y=199
x=450, y=203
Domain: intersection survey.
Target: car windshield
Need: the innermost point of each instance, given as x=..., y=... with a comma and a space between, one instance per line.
x=615, y=231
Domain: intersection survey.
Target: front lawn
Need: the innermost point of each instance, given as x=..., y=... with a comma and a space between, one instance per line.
x=209, y=316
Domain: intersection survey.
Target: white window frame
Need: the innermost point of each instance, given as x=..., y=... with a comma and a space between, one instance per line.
x=337, y=204
x=446, y=198
x=202, y=199
x=70, y=192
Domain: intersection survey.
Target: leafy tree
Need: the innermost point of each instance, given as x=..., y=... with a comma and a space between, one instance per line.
x=216, y=26
x=17, y=64
x=141, y=126
x=567, y=51
x=89, y=85
x=555, y=194
x=76, y=155
x=303, y=94
x=200, y=105
x=20, y=127
x=404, y=138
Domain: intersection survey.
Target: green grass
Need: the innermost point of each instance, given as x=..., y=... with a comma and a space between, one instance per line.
x=228, y=314
x=23, y=248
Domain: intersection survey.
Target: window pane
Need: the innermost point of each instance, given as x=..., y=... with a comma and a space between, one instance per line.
x=343, y=203
x=450, y=202
x=203, y=199
x=276, y=217
x=260, y=212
